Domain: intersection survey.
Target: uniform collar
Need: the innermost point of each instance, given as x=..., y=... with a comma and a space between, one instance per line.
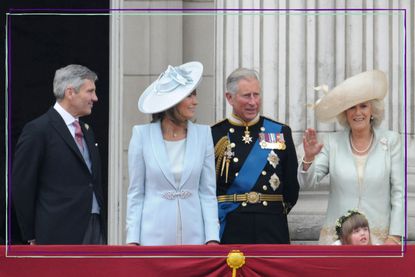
x=236, y=120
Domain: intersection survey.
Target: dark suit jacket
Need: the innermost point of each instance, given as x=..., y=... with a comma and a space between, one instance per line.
x=51, y=184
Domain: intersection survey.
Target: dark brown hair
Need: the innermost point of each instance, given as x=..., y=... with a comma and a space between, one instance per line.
x=356, y=220
x=171, y=113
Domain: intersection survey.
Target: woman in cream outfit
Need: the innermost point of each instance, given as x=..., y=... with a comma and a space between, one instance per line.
x=364, y=162
x=172, y=191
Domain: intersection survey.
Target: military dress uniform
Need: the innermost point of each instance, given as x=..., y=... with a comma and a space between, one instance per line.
x=255, y=212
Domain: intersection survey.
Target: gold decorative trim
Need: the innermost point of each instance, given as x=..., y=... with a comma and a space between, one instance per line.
x=236, y=120
x=235, y=260
x=220, y=149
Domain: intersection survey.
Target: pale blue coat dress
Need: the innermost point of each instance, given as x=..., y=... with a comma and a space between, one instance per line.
x=158, y=207
x=380, y=196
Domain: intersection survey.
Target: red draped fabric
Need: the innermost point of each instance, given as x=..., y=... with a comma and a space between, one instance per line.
x=206, y=260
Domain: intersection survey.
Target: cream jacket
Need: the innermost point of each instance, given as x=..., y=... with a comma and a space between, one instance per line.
x=380, y=196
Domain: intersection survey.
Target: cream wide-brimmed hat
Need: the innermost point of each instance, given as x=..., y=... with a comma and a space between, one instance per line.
x=357, y=89
x=171, y=87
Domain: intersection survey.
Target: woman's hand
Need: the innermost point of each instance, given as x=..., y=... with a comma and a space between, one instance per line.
x=311, y=147
x=392, y=240
x=133, y=244
x=212, y=242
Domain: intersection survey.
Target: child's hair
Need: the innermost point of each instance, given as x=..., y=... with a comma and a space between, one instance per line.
x=345, y=225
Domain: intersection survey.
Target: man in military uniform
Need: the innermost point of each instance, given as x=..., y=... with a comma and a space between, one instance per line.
x=256, y=167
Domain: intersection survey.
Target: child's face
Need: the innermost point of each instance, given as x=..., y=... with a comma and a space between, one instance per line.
x=360, y=236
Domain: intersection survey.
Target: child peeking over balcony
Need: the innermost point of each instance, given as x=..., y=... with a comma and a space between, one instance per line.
x=353, y=229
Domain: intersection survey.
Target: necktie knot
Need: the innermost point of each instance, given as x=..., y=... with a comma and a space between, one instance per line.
x=78, y=134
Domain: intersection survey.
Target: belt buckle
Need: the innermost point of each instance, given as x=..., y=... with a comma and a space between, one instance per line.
x=252, y=197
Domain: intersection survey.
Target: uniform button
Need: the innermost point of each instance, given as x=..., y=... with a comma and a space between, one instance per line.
x=264, y=187
x=264, y=172
x=232, y=130
x=235, y=160
x=236, y=174
x=233, y=145
x=262, y=129
x=90, y=185
x=265, y=203
x=244, y=204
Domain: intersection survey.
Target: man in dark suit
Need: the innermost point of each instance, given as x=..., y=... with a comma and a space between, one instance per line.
x=56, y=179
x=256, y=167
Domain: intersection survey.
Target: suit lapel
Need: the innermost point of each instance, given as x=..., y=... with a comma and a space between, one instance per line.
x=160, y=153
x=59, y=125
x=191, y=142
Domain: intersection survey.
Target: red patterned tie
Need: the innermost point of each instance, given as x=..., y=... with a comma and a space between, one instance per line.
x=78, y=135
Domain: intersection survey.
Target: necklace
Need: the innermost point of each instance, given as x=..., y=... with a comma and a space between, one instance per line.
x=173, y=130
x=360, y=151
x=184, y=131
x=174, y=133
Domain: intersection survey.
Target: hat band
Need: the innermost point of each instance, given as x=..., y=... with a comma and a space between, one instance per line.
x=172, y=78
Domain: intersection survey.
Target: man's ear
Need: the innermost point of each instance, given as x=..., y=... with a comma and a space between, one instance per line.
x=69, y=91
x=229, y=96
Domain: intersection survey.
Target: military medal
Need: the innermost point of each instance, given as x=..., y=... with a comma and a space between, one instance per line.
x=281, y=141
x=273, y=159
x=262, y=142
x=274, y=181
x=247, y=136
x=272, y=141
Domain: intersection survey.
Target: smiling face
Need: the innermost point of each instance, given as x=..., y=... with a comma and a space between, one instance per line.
x=247, y=100
x=80, y=103
x=359, y=236
x=186, y=109
x=359, y=115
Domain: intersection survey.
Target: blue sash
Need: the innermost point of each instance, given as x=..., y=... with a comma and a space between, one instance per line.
x=248, y=175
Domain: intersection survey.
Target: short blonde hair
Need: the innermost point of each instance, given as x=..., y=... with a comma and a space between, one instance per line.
x=378, y=108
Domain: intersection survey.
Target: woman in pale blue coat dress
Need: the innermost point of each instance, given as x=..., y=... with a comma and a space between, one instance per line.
x=172, y=193
x=364, y=162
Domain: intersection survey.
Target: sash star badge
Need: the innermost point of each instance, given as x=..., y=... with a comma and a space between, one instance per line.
x=273, y=159
x=274, y=181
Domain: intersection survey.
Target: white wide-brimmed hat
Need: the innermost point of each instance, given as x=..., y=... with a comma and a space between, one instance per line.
x=171, y=87
x=357, y=89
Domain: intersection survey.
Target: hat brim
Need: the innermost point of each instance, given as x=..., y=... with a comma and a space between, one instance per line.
x=357, y=89
x=152, y=101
